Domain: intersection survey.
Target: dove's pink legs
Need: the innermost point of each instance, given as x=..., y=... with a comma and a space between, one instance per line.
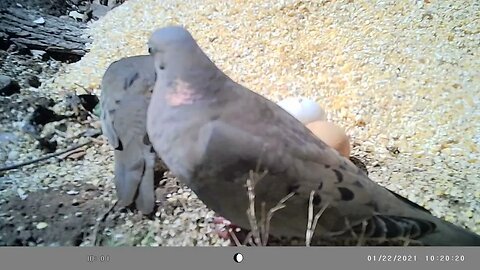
x=224, y=228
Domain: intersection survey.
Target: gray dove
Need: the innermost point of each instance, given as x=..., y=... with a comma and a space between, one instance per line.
x=127, y=86
x=211, y=132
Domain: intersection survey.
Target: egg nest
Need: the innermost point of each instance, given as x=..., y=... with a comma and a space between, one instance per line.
x=402, y=77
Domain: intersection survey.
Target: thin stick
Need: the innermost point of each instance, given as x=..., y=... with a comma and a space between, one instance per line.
x=263, y=228
x=101, y=220
x=234, y=237
x=308, y=236
x=252, y=181
x=84, y=88
x=18, y=165
x=312, y=224
x=280, y=205
x=260, y=237
x=251, y=211
x=406, y=242
x=362, y=235
x=249, y=239
x=97, y=141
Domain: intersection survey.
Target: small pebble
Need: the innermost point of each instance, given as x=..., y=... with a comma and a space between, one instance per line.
x=21, y=193
x=40, y=20
x=41, y=225
x=76, y=15
x=72, y=192
x=13, y=155
x=39, y=54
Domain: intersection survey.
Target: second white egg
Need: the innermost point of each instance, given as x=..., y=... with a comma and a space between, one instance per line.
x=304, y=109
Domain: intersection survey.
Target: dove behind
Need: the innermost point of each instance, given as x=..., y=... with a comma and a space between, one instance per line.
x=126, y=90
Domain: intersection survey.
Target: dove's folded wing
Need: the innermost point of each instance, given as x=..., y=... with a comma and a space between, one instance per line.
x=296, y=161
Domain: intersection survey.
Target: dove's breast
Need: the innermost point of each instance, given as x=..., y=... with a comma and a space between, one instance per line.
x=173, y=133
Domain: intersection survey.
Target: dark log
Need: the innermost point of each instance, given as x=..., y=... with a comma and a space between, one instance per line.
x=63, y=39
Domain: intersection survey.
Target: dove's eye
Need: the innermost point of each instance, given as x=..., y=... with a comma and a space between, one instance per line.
x=149, y=50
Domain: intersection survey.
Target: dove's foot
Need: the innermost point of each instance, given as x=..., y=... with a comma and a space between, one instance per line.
x=228, y=231
x=242, y=237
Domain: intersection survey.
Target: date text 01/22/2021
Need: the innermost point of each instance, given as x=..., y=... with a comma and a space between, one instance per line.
x=413, y=258
x=392, y=258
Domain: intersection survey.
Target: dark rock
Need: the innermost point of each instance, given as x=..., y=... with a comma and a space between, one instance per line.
x=43, y=115
x=34, y=81
x=45, y=102
x=48, y=146
x=61, y=127
x=8, y=86
x=89, y=101
x=37, y=68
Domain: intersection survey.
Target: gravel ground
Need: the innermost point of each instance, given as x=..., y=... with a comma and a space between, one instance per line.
x=403, y=78
x=52, y=7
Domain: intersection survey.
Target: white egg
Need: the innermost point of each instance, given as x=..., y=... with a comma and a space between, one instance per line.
x=304, y=109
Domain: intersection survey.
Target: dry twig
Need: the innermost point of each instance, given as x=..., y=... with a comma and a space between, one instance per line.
x=261, y=231
x=18, y=165
x=280, y=205
x=312, y=220
x=234, y=237
x=100, y=221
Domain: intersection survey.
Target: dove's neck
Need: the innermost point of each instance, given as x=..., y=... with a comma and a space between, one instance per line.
x=195, y=70
x=192, y=85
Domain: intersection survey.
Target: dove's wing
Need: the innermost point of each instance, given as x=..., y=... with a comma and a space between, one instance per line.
x=126, y=91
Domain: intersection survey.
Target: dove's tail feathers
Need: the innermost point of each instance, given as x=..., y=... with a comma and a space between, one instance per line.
x=134, y=177
x=433, y=231
x=128, y=176
x=430, y=231
x=145, y=200
x=448, y=234
x=393, y=227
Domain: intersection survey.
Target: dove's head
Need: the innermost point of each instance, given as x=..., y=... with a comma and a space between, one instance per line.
x=176, y=52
